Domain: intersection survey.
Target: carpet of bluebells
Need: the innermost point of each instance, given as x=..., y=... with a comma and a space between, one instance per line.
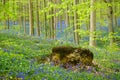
x=21, y=59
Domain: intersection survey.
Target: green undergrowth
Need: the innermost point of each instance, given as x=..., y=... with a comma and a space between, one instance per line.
x=18, y=60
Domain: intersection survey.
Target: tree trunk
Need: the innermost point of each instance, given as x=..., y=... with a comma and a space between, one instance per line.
x=8, y=23
x=114, y=16
x=110, y=24
x=66, y=20
x=5, y=27
x=53, y=25
x=24, y=19
x=37, y=19
x=67, y=17
x=19, y=14
x=50, y=21
x=110, y=21
x=45, y=20
x=92, y=25
x=31, y=21
x=76, y=27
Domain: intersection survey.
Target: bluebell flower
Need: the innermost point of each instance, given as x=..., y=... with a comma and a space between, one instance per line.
x=108, y=76
x=44, y=79
x=26, y=74
x=114, y=78
x=11, y=73
x=5, y=50
x=66, y=78
x=42, y=64
x=59, y=72
x=70, y=67
x=42, y=70
x=21, y=75
x=31, y=66
x=52, y=63
x=28, y=71
x=89, y=69
x=61, y=65
x=13, y=59
x=71, y=78
x=36, y=72
x=78, y=64
x=2, y=78
x=68, y=70
x=16, y=32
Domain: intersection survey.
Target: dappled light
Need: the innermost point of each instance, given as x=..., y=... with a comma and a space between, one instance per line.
x=59, y=40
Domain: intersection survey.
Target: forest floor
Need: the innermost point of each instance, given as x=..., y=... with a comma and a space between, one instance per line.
x=20, y=59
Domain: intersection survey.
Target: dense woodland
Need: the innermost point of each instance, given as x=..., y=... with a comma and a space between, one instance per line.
x=29, y=29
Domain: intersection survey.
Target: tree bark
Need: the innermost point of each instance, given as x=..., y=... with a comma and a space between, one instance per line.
x=53, y=25
x=37, y=19
x=110, y=22
x=24, y=19
x=31, y=21
x=114, y=16
x=76, y=27
x=5, y=26
x=92, y=41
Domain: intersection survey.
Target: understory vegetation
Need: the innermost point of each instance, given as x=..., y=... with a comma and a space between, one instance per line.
x=20, y=59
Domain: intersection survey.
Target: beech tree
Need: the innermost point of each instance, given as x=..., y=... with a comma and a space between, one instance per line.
x=92, y=24
x=5, y=26
x=81, y=19
x=31, y=21
x=76, y=27
x=37, y=19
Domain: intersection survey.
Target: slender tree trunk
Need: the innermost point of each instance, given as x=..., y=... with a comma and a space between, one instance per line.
x=5, y=26
x=88, y=23
x=55, y=21
x=45, y=20
x=110, y=24
x=14, y=11
x=31, y=21
x=24, y=25
x=24, y=18
x=76, y=27
x=92, y=25
x=110, y=21
x=66, y=20
x=8, y=20
x=53, y=25
x=67, y=17
x=114, y=16
x=37, y=19
x=19, y=14
x=60, y=22
x=8, y=23
x=50, y=21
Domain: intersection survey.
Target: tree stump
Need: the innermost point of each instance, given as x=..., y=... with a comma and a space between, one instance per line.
x=66, y=55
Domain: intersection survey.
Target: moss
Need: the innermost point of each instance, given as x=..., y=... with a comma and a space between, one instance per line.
x=71, y=55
